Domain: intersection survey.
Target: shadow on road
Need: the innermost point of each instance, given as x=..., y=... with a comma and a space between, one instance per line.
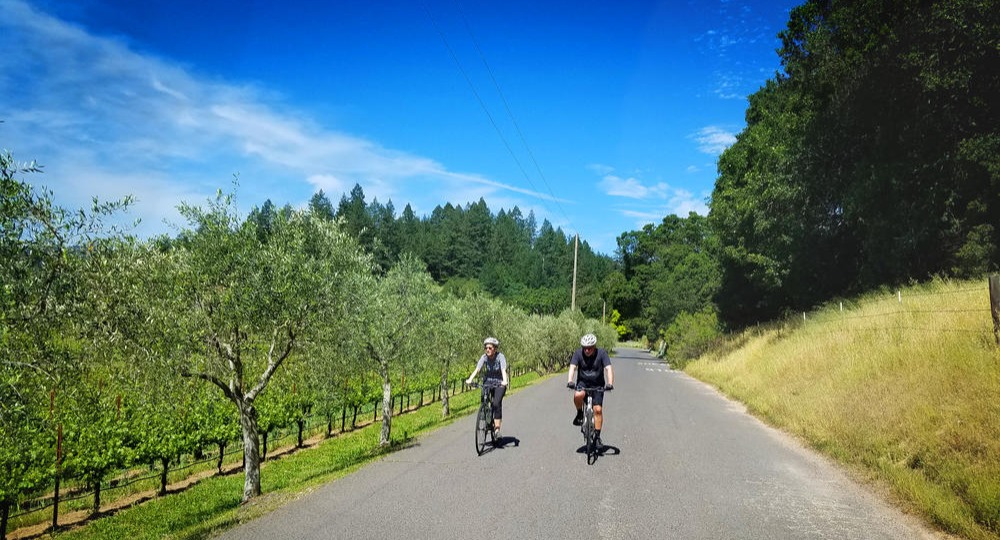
x=606, y=450
x=501, y=443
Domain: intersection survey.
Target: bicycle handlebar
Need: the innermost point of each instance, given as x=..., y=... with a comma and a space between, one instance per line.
x=486, y=386
x=591, y=389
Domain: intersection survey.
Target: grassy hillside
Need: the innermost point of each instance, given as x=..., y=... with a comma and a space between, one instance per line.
x=903, y=387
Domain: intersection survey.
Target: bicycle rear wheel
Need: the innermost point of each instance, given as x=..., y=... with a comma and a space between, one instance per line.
x=483, y=425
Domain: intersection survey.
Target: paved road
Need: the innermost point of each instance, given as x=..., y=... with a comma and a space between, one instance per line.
x=685, y=464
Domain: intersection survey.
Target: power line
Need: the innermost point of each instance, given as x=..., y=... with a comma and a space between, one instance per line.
x=482, y=104
x=510, y=113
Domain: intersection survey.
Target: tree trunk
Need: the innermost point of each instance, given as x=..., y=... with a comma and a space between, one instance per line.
x=163, y=475
x=251, y=450
x=301, y=424
x=4, y=514
x=222, y=454
x=263, y=446
x=445, y=406
x=97, y=496
x=384, y=438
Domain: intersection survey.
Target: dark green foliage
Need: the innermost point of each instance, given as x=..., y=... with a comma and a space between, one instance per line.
x=871, y=161
x=690, y=335
x=667, y=270
x=321, y=206
x=469, y=249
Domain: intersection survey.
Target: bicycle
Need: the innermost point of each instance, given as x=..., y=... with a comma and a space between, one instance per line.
x=587, y=428
x=484, y=418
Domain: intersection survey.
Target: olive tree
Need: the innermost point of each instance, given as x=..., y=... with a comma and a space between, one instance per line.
x=452, y=338
x=249, y=299
x=395, y=322
x=42, y=252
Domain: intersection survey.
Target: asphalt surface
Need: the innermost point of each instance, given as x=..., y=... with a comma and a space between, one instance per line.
x=683, y=462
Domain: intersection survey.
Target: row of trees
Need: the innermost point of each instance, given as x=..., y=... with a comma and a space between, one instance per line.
x=140, y=351
x=470, y=250
x=873, y=159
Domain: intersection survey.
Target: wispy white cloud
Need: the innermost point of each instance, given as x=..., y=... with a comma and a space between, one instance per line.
x=650, y=203
x=643, y=217
x=738, y=29
x=730, y=85
x=632, y=188
x=109, y=121
x=601, y=169
x=713, y=139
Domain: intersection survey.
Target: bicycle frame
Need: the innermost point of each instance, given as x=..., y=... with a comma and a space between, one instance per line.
x=588, y=428
x=484, y=417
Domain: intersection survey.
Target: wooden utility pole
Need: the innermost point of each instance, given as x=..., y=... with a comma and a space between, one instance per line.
x=576, y=243
x=995, y=305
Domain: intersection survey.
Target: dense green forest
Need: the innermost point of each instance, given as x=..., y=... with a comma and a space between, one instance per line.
x=871, y=160
x=471, y=250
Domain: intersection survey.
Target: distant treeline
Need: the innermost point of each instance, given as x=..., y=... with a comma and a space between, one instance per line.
x=469, y=249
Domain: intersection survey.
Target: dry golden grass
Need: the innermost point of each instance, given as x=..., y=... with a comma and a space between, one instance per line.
x=906, y=392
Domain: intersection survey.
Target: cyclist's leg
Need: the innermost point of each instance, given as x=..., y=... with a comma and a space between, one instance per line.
x=498, y=394
x=598, y=410
x=578, y=398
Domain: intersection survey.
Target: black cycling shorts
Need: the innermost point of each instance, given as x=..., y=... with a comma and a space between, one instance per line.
x=598, y=395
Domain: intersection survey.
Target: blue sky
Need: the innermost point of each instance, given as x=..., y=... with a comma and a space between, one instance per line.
x=598, y=116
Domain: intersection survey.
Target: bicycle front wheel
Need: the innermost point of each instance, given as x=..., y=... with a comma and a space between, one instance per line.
x=588, y=433
x=482, y=429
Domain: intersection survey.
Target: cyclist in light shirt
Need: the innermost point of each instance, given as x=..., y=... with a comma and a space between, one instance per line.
x=495, y=373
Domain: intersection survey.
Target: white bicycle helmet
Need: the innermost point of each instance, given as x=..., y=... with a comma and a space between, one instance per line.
x=588, y=340
x=491, y=341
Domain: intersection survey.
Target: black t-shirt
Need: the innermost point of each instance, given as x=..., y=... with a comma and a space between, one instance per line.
x=590, y=370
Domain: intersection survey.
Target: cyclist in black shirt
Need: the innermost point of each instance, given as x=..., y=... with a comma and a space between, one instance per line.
x=496, y=373
x=590, y=367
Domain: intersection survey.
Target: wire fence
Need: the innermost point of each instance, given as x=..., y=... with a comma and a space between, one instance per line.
x=66, y=493
x=830, y=315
